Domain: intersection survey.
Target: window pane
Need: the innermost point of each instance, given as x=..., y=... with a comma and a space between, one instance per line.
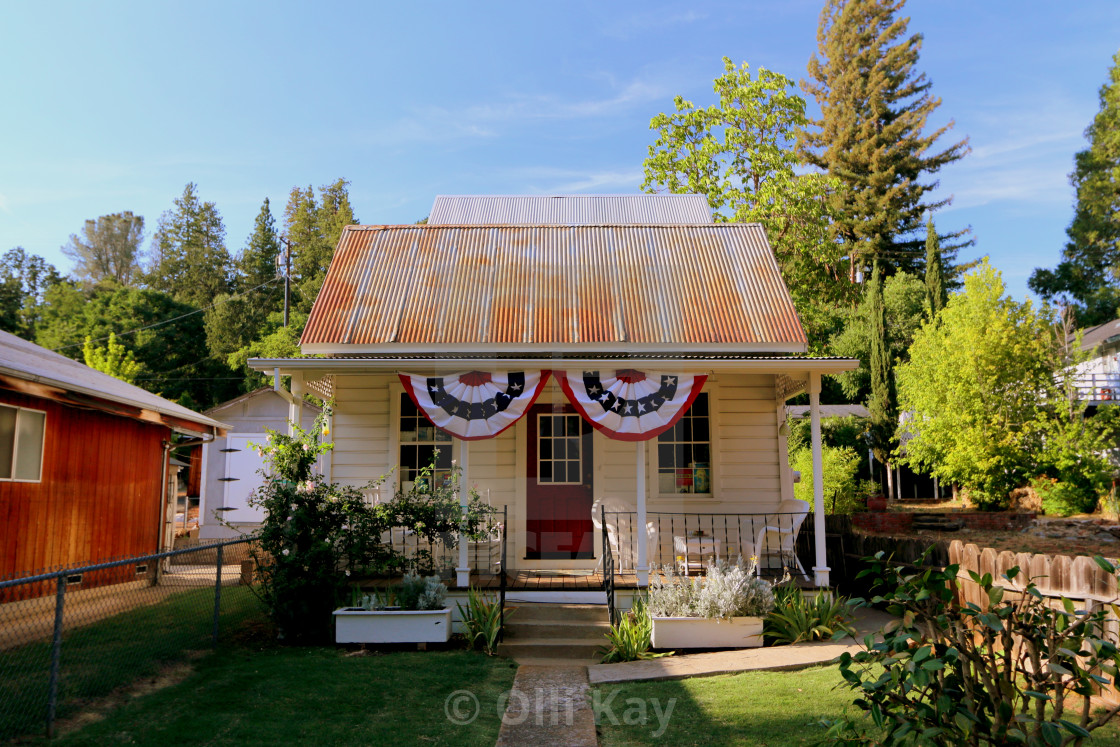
x=700, y=429
x=664, y=455
x=700, y=405
x=560, y=450
x=409, y=458
x=546, y=425
x=702, y=453
x=546, y=448
x=443, y=437
x=546, y=472
x=408, y=407
x=7, y=439
x=573, y=472
x=30, y=455
x=408, y=430
x=573, y=448
x=444, y=458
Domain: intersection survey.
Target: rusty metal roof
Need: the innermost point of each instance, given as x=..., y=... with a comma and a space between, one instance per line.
x=568, y=210
x=639, y=288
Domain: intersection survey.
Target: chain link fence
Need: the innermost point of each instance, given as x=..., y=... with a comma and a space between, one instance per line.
x=70, y=637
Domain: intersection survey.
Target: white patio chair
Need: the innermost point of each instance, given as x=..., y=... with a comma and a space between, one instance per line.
x=780, y=540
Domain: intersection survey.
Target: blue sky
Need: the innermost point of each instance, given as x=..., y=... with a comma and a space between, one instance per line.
x=116, y=106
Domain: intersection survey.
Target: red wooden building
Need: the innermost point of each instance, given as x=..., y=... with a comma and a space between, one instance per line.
x=83, y=463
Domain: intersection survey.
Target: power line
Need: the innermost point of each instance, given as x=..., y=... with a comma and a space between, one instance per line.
x=169, y=321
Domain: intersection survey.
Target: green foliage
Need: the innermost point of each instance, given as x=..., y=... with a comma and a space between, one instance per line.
x=414, y=592
x=882, y=404
x=983, y=384
x=112, y=359
x=482, y=617
x=1015, y=669
x=871, y=132
x=108, y=249
x=740, y=153
x=629, y=638
x=903, y=313
x=25, y=280
x=189, y=259
x=840, y=466
x=1089, y=273
x=316, y=535
x=937, y=294
x=314, y=228
x=794, y=618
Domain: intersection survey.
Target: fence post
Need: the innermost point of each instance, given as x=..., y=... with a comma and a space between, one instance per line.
x=56, y=653
x=217, y=594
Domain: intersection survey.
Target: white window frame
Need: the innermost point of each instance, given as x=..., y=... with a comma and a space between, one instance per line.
x=582, y=456
x=396, y=391
x=655, y=475
x=16, y=444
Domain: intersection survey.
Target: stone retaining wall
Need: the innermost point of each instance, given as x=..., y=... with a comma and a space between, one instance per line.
x=890, y=521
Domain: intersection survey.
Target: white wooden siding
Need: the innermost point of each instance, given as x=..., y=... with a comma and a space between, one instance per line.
x=361, y=429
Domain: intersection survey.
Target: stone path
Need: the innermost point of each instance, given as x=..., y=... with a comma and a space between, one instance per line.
x=548, y=705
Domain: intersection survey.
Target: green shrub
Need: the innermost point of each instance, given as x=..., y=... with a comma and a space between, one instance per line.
x=1021, y=669
x=482, y=617
x=725, y=590
x=795, y=618
x=839, y=466
x=629, y=638
x=1064, y=498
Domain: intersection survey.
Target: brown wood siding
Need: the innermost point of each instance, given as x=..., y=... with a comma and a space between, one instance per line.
x=194, y=473
x=99, y=498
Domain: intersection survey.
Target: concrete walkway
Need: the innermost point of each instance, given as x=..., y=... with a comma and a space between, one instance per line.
x=773, y=658
x=548, y=705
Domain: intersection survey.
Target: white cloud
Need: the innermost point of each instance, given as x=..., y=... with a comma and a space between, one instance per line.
x=637, y=24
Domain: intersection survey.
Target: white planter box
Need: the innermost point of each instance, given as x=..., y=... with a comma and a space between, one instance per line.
x=703, y=632
x=354, y=625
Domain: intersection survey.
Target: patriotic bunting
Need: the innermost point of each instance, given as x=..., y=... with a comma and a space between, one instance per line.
x=630, y=405
x=477, y=404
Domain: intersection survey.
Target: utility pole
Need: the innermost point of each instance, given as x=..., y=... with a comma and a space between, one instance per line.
x=287, y=257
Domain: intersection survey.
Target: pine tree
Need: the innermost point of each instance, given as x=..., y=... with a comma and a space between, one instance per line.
x=1089, y=273
x=314, y=228
x=874, y=108
x=257, y=262
x=190, y=261
x=937, y=295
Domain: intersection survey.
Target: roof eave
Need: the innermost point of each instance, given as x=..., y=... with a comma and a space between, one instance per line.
x=546, y=348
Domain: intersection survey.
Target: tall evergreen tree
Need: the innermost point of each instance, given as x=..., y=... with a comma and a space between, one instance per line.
x=1089, y=273
x=937, y=295
x=108, y=249
x=24, y=282
x=882, y=402
x=314, y=228
x=871, y=133
x=189, y=260
x=257, y=262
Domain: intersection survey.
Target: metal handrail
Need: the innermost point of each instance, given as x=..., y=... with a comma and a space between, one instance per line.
x=608, y=567
x=502, y=581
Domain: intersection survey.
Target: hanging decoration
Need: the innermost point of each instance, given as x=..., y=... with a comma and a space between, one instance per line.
x=630, y=405
x=477, y=404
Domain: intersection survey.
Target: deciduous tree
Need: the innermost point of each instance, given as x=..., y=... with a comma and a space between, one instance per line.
x=741, y=154
x=113, y=359
x=871, y=135
x=1089, y=273
x=108, y=249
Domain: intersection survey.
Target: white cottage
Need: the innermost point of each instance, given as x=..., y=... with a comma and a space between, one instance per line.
x=612, y=370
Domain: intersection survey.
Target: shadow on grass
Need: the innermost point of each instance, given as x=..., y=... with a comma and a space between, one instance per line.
x=113, y=653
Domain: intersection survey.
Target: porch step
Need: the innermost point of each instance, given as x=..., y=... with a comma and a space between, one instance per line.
x=544, y=612
x=544, y=629
x=555, y=632
x=566, y=649
x=936, y=523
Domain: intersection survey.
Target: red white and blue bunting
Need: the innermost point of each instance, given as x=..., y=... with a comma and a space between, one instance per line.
x=630, y=405
x=477, y=404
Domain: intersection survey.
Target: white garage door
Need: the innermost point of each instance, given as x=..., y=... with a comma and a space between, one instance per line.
x=242, y=478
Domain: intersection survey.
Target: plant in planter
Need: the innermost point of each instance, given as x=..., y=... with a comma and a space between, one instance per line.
x=412, y=612
x=721, y=610
x=795, y=618
x=482, y=617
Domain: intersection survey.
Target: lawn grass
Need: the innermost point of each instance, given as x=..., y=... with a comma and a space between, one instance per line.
x=763, y=709
x=320, y=696
x=112, y=653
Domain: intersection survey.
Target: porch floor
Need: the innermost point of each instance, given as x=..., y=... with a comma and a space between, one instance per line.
x=531, y=580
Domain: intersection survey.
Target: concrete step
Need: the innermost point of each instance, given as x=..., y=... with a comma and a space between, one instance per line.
x=546, y=629
x=549, y=648
x=540, y=612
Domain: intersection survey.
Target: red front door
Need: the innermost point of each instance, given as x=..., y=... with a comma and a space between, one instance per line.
x=558, y=515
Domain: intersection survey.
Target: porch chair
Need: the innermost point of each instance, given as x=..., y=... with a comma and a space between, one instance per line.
x=780, y=540
x=626, y=558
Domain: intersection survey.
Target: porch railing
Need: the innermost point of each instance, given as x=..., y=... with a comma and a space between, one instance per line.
x=1097, y=387
x=686, y=541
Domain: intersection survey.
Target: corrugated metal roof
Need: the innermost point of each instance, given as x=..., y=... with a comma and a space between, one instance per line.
x=568, y=210
x=534, y=287
x=25, y=360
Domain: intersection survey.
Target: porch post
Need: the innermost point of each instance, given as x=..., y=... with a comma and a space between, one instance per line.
x=820, y=570
x=642, y=568
x=295, y=404
x=463, y=572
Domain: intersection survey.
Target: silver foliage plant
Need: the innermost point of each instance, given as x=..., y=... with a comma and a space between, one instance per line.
x=726, y=590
